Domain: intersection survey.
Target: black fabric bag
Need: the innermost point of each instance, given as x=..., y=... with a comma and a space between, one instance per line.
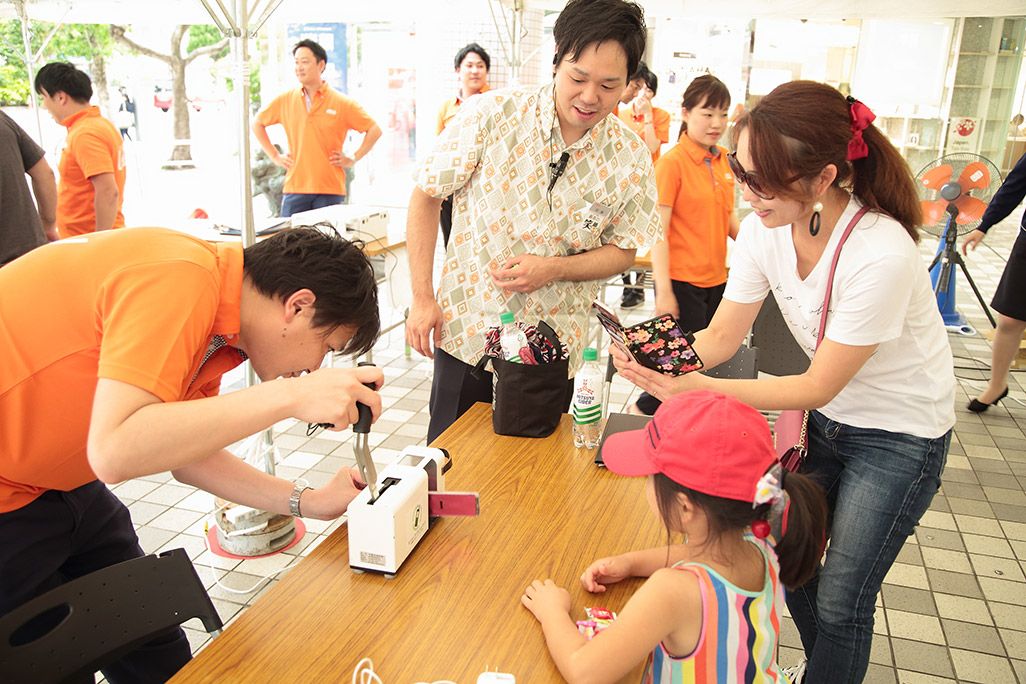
x=529, y=399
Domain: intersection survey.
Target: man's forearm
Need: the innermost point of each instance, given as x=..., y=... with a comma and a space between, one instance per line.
x=229, y=477
x=44, y=188
x=369, y=139
x=421, y=234
x=105, y=204
x=260, y=133
x=595, y=264
x=175, y=434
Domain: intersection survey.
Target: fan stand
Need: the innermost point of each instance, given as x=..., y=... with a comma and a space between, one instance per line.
x=944, y=282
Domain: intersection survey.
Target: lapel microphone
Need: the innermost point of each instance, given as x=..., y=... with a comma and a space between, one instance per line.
x=557, y=169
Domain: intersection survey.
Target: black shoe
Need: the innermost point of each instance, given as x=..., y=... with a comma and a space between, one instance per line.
x=977, y=406
x=631, y=299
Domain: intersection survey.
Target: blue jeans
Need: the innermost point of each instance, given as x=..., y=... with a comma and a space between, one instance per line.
x=878, y=486
x=295, y=202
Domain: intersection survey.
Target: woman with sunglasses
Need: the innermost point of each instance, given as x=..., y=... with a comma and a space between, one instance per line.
x=696, y=205
x=880, y=388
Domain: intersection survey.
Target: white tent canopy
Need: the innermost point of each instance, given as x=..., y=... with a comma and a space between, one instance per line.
x=192, y=11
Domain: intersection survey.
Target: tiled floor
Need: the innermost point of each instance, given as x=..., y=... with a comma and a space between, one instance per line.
x=952, y=607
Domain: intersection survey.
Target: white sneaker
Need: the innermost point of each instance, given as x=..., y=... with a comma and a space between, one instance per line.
x=796, y=673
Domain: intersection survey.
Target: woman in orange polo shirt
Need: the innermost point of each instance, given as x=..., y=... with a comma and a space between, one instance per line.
x=696, y=203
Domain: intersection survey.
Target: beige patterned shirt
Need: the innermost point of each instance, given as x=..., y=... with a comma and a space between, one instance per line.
x=495, y=157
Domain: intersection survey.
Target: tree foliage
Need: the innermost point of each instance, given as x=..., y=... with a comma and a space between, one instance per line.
x=202, y=41
x=88, y=45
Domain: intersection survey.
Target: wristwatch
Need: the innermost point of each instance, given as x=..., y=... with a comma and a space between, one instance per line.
x=297, y=492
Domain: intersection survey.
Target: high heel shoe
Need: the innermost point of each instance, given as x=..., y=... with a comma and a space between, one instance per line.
x=977, y=406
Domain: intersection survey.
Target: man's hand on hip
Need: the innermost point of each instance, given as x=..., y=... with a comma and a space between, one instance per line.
x=341, y=160
x=285, y=161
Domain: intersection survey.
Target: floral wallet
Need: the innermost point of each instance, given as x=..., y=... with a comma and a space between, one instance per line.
x=658, y=343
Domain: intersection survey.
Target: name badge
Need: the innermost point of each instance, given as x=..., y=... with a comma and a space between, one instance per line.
x=331, y=111
x=597, y=215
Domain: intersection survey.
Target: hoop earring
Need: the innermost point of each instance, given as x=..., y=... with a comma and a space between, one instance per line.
x=814, y=221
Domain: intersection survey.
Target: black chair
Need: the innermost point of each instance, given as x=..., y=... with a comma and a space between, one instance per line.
x=781, y=355
x=93, y=621
x=743, y=365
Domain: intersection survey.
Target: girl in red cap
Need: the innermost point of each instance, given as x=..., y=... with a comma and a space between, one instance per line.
x=710, y=609
x=835, y=206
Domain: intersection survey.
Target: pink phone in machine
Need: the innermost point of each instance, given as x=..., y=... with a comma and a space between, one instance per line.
x=453, y=503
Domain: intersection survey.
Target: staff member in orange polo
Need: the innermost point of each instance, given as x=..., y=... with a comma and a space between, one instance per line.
x=696, y=205
x=111, y=370
x=316, y=119
x=472, y=64
x=92, y=166
x=652, y=124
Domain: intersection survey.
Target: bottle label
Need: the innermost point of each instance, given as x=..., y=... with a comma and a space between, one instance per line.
x=587, y=405
x=587, y=415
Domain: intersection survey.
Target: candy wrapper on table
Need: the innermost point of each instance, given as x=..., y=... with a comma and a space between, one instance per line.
x=598, y=620
x=533, y=392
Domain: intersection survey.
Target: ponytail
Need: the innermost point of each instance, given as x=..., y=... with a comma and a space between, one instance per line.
x=804, y=539
x=884, y=183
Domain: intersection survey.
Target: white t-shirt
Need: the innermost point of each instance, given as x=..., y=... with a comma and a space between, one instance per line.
x=882, y=296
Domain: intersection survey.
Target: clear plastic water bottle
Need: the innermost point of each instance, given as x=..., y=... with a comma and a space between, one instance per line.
x=587, y=403
x=511, y=338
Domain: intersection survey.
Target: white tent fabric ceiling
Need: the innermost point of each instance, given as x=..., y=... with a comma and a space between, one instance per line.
x=192, y=11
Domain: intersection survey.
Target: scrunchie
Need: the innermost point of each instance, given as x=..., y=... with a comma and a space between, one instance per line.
x=861, y=117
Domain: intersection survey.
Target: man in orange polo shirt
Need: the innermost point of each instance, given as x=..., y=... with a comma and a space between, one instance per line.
x=111, y=370
x=316, y=119
x=472, y=64
x=92, y=166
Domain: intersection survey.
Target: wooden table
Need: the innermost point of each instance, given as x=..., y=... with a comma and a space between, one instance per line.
x=454, y=608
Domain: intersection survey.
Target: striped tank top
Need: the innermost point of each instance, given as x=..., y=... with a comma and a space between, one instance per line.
x=740, y=632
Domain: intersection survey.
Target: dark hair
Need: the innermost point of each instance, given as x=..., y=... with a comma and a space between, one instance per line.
x=651, y=80
x=802, y=126
x=802, y=544
x=705, y=90
x=319, y=53
x=639, y=72
x=63, y=77
x=475, y=48
x=334, y=269
x=591, y=22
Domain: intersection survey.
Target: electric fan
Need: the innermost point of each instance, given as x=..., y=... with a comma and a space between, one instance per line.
x=954, y=191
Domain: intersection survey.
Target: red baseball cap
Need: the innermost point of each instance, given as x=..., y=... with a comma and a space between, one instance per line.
x=701, y=440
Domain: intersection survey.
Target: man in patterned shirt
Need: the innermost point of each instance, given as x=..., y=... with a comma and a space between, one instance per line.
x=550, y=196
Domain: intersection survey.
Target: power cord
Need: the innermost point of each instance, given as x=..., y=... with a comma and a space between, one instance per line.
x=364, y=673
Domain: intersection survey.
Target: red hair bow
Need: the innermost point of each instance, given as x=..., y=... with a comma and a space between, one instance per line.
x=861, y=117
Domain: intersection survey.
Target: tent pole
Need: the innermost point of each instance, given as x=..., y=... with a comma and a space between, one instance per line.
x=236, y=25
x=29, y=66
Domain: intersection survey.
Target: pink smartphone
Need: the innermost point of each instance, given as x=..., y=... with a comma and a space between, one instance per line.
x=450, y=504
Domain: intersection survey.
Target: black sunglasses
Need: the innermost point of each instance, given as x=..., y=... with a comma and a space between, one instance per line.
x=747, y=177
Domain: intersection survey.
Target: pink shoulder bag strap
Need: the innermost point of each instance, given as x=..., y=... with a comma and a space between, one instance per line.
x=791, y=427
